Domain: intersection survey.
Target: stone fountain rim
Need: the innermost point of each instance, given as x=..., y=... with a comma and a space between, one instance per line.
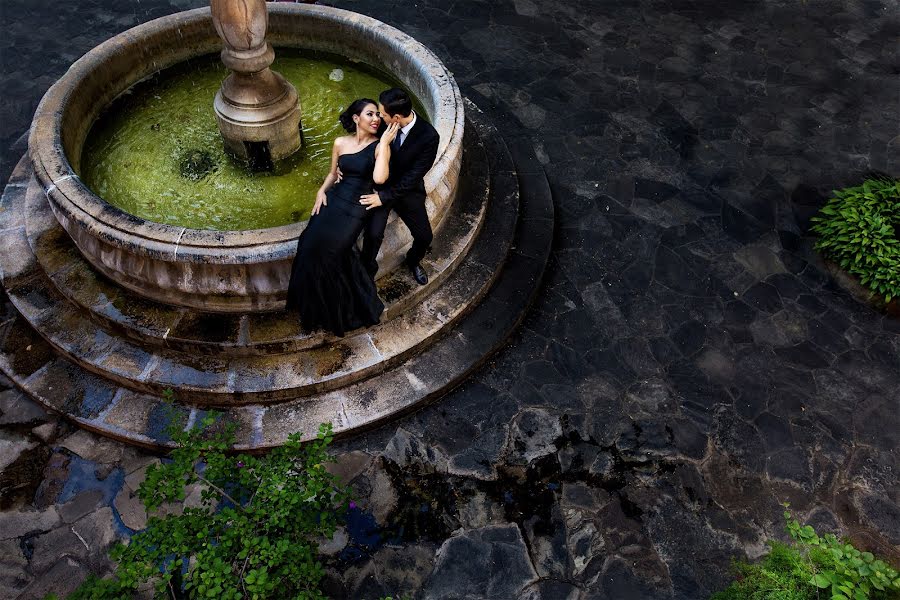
x=183, y=244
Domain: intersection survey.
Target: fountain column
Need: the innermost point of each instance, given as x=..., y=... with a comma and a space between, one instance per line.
x=258, y=111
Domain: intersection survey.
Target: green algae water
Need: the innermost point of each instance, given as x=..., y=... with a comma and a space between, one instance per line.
x=156, y=152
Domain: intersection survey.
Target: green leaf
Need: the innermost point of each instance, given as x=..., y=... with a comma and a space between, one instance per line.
x=820, y=581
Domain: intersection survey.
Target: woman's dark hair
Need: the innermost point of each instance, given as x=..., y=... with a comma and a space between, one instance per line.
x=395, y=102
x=355, y=108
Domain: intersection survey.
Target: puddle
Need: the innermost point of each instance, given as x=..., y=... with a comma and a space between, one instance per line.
x=86, y=475
x=366, y=536
x=429, y=504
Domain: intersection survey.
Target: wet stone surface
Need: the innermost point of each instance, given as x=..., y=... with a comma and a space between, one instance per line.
x=689, y=364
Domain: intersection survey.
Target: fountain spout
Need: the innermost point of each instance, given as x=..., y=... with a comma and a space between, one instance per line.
x=257, y=110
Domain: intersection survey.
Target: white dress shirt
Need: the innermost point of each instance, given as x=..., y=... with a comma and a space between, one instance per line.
x=405, y=129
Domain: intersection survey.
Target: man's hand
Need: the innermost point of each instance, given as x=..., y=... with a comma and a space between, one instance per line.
x=370, y=201
x=339, y=175
x=320, y=202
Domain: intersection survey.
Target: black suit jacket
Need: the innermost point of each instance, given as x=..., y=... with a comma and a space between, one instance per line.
x=409, y=164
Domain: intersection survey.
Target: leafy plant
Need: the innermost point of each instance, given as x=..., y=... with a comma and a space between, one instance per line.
x=813, y=567
x=783, y=575
x=253, y=535
x=859, y=228
x=847, y=572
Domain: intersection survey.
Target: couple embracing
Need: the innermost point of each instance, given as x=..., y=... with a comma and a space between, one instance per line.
x=333, y=284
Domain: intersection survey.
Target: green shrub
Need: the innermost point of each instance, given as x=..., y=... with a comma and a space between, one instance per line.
x=813, y=568
x=859, y=229
x=254, y=536
x=783, y=575
x=843, y=569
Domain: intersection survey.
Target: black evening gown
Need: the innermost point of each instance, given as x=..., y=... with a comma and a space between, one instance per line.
x=329, y=285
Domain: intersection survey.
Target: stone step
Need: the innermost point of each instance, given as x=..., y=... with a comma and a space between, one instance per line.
x=140, y=418
x=122, y=312
x=221, y=380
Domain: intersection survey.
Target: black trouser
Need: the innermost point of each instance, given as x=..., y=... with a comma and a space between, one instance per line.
x=411, y=211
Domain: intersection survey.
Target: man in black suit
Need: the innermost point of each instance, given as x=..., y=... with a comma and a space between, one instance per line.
x=412, y=154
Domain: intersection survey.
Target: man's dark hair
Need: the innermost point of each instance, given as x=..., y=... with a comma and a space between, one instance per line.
x=396, y=102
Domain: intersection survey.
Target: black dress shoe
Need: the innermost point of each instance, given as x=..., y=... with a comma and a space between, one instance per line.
x=419, y=274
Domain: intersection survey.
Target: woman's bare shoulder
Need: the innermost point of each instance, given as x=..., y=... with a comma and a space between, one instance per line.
x=344, y=141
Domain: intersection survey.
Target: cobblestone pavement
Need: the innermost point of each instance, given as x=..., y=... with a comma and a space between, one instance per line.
x=689, y=364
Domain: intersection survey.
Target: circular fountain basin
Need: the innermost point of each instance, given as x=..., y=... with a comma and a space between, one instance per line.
x=227, y=271
x=157, y=152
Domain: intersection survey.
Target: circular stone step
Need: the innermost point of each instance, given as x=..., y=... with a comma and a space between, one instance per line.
x=149, y=323
x=141, y=418
x=221, y=380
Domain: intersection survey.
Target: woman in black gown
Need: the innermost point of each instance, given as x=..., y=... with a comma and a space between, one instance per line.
x=329, y=285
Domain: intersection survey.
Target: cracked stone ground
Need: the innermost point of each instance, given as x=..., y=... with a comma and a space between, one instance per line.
x=689, y=364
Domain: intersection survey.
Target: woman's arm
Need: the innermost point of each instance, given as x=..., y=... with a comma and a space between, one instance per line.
x=382, y=162
x=321, y=199
x=383, y=154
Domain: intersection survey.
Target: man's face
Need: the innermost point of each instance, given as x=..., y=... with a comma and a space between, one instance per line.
x=388, y=119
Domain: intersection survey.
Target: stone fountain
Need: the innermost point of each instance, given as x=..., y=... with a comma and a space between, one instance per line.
x=112, y=312
x=226, y=271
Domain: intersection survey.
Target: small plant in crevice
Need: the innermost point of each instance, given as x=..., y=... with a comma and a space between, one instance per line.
x=253, y=536
x=813, y=567
x=859, y=229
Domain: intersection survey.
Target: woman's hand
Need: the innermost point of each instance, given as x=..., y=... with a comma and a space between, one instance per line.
x=321, y=201
x=389, y=134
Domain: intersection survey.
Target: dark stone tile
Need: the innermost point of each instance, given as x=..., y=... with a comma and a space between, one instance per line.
x=740, y=225
x=789, y=286
x=664, y=351
x=672, y=271
x=803, y=354
x=764, y=296
x=826, y=338
x=791, y=465
x=697, y=394
x=681, y=135
x=775, y=431
x=738, y=312
x=690, y=337
x=689, y=438
x=811, y=303
x=657, y=191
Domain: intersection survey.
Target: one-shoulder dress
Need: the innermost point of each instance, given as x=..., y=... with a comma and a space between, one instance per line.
x=329, y=285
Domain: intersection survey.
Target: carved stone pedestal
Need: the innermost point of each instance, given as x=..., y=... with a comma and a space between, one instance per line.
x=258, y=111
